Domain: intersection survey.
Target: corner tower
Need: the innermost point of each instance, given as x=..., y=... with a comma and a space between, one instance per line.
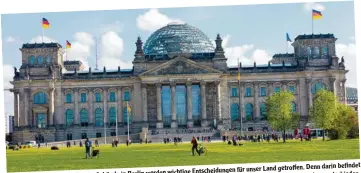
x=41, y=61
x=316, y=50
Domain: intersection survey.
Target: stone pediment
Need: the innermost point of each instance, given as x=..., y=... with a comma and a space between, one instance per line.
x=179, y=66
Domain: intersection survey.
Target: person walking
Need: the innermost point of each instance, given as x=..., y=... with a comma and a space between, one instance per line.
x=195, y=146
x=87, y=148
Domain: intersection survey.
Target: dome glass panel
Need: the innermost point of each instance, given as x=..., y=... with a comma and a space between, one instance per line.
x=178, y=38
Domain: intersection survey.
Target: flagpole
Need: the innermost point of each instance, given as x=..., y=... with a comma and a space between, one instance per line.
x=239, y=91
x=116, y=127
x=105, y=132
x=128, y=118
x=312, y=21
x=42, y=36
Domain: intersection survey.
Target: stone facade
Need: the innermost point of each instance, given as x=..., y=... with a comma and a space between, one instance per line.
x=81, y=91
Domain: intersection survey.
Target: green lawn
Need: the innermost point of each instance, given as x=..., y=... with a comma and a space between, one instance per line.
x=150, y=155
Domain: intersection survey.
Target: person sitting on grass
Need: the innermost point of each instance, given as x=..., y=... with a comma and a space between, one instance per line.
x=194, y=146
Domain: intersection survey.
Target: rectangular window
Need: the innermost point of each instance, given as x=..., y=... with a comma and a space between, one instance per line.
x=126, y=96
x=83, y=136
x=112, y=133
x=98, y=97
x=234, y=92
x=112, y=96
x=98, y=135
x=83, y=97
x=68, y=98
x=291, y=89
x=277, y=89
x=248, y=92
x=263, y=91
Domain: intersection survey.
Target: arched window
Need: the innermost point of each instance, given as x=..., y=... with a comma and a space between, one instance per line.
x=40, y=98
x=31, y=60
x=40, y=60
x=234, y=111
x=126, y=96
x=112, y=116
x=99, y=121
x=83, y=117
x=69, y=117
x=293, y=107
x=308, y=51
x=317, y=87
x=126, y=113
x=98, y=97
x=68, y=98
x=263, y=111
x=249, y=111
x=316, y=52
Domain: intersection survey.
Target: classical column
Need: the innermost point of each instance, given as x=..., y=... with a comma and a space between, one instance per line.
x=159, y=106
x=16, y=109
x=256, y=103
x=91, y=110
x=174, y=108
x=310, y=96
x=76, y=101
x=203, y=103
x=105, y=102
x=120, y=106
x=284, y=85
x=58, y=117
x=332, y=85
x=344, y=94
x=218, y=102
x=28, y=107
x=270, y=88
x=189, y=103
x=51, y=107
x=145, y=103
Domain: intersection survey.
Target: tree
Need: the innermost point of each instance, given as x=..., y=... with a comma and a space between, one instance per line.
x=343, y=122
x=323, y=111
x=280, y=114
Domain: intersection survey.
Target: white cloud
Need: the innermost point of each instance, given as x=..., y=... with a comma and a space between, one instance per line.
x=40, y=39
x=8, y=72
x=10, y=39
x=246, y=53
x=112, y=47
x=153, y=20
x=115, y=27
x=348, y=51
x=352, y=38
x=81, y=48
x=312, y=5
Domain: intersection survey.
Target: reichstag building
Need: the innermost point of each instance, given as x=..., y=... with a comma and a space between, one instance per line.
x=179, y=80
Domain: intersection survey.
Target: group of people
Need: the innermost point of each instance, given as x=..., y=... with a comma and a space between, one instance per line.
x=176, y=140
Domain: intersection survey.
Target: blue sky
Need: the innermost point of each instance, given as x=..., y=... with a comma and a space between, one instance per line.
x=252, y=32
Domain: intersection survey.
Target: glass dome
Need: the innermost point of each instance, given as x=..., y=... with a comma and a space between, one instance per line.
x=178, y=38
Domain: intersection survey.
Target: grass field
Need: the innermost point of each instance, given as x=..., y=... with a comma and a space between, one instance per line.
x=150, y=155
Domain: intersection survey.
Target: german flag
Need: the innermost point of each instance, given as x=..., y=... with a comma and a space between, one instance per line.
x=45, y=23
x=68, y=45
x=316, y=15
